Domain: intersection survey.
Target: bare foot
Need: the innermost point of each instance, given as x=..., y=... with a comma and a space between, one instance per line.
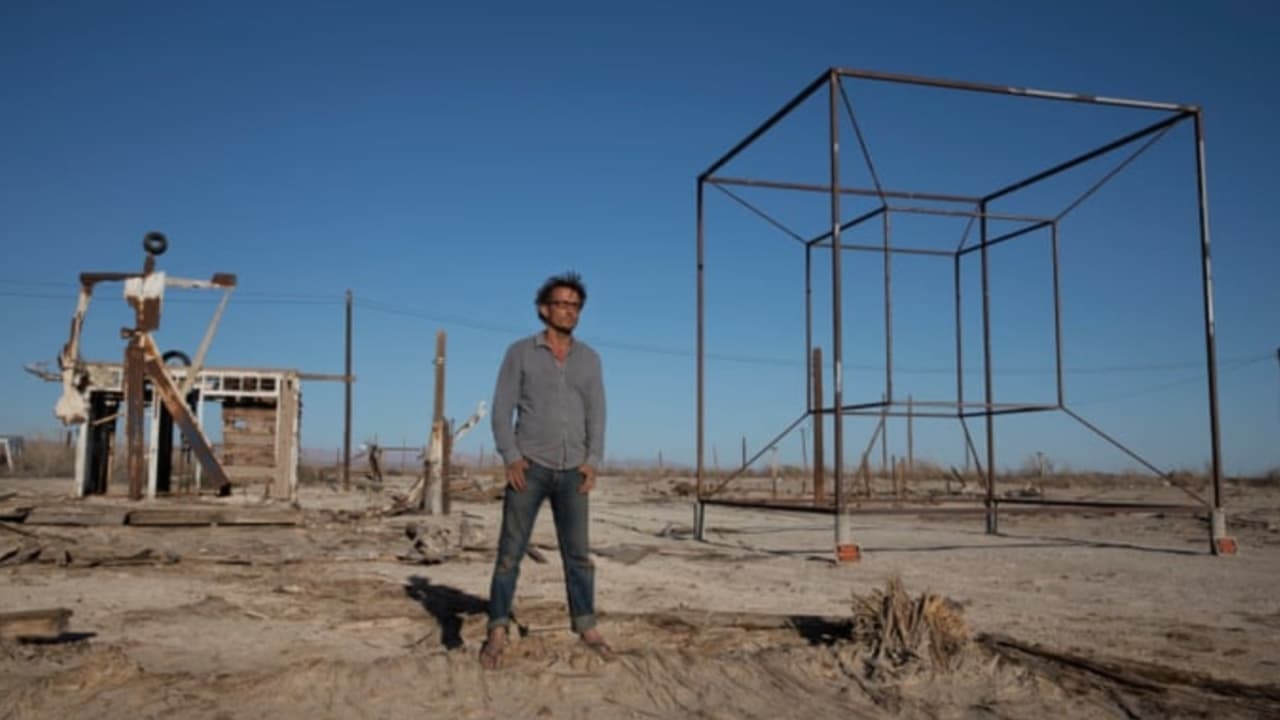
x=491, y=650
x=594, y=640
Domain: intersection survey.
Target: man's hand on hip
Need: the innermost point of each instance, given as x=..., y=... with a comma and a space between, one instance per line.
x=588, y=478
x=515, y=474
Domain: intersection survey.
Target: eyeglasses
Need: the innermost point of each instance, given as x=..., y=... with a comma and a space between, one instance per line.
x=565, y=304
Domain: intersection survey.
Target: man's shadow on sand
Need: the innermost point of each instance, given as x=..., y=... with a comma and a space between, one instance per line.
x=447, y=605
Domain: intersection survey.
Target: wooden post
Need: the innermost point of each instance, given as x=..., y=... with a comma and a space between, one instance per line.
x=134, y=398
x=773, y=466
x=804, y=452
x=446, y=469
x=346, y=407
x=911, y=445
x=884, y=436
x=433, y=495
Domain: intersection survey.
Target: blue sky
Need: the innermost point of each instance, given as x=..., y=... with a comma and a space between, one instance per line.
x=441, y=161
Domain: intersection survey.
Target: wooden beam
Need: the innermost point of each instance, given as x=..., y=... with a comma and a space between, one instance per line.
x=75, y=515
x=49, y=624
x=214, y=516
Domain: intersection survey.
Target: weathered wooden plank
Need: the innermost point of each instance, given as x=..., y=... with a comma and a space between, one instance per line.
x=75, y=515
x=174, y=516
x=252, y=420
x=240, y=438
x=285, y=460
x=215, y=516
x=14, y=513
x=47, y=624
x=249, y=475
x=259, y=516
x=253, y=455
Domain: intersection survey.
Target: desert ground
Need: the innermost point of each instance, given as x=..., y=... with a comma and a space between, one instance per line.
x=354, y=612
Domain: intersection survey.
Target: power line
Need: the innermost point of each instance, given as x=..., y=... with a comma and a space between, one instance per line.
x=1225, y=366
x=402, y=310
x=277, y=298
x=242, y=298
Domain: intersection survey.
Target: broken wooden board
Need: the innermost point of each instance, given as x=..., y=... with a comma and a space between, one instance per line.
x=14, y=513
x=214, y=516
x=47, y=624
x=76, y=515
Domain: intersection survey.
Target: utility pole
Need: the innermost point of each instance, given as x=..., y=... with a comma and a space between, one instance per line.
x=346, y=422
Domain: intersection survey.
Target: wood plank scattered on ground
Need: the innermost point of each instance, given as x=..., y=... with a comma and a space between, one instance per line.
x=14, y=513
x=215, y=516
x=76, y=515
x=47, y=624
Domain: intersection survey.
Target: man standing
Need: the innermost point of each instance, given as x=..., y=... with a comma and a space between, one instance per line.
x=555, y=386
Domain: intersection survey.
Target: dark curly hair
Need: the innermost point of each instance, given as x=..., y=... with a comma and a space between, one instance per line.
x=571, y=280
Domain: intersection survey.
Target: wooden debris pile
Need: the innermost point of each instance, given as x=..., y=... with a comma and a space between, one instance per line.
x=901, y=634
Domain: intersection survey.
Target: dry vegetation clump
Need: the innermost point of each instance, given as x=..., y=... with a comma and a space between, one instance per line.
x=901, y=635
x=45, y=457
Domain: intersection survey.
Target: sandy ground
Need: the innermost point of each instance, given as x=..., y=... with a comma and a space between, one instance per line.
x=1072, y=615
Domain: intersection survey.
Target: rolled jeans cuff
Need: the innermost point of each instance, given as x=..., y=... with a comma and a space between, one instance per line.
x=498, y=623
x=583, y=623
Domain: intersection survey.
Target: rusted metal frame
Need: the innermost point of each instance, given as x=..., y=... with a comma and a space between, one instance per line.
x=1010, y=506
x=698, y=511
x=862, y=192
x=819, y=452
x=1057, y=316
x=1009, y=410
x=1127, y=451
x=1009, y=236
x=959, y=323
x=762, y=214
x=970, y=446
x=843, y=531
x=764, y=127
x=1117, y=504
x=993, y=520
x=862, y=141
x=903, y=78
x=896, y=250
x=896, y=413
x=1086, y=157
x=1113, y=172
x=888, y=312
x=760, y=453
x=817, y=240
x=1210, y=342
x=1013, y=409
x=812, y=362
x=938, y=403
x=976, y=213
x=968, y=228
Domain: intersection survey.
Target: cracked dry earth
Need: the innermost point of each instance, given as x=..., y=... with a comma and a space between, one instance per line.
x=1070, y=616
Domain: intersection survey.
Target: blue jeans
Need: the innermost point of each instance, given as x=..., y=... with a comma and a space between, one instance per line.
x=569, y=509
